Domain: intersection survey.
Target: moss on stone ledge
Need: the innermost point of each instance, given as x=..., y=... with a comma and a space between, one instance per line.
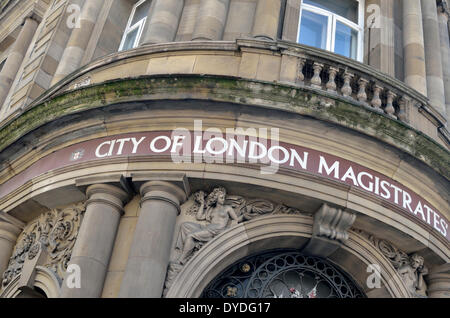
x=303, y=101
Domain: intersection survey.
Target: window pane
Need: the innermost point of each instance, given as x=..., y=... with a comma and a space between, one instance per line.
x=130, y=39
x=345, y=8
x=346, y=40
x=313, y=29
x=141, y=12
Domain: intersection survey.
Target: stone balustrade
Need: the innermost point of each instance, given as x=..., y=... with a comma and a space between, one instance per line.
x=357, y=83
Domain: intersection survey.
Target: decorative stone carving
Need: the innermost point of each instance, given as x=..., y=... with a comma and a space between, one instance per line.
x=56, y=232
x=329, y=230
x=412, y=275
x=411, y=268
x=214, y=213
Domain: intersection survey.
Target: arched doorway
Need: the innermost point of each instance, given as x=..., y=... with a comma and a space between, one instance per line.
x=280, y=232
x=282, y=274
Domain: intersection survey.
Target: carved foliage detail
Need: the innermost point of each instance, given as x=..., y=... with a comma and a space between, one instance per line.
x=57, y=231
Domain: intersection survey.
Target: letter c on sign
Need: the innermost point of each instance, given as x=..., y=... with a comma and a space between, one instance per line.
x=97, y=151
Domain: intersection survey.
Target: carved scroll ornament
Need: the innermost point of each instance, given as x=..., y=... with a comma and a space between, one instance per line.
x=56, y=231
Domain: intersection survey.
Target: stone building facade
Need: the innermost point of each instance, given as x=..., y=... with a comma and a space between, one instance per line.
x=224, y=148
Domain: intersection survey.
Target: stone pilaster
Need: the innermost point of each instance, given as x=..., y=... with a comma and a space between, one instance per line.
x=95, y=241
x=329, y=230
x=78, y=41
x=267, y=19
x=211, y=20
x=413, y=46
x=15, y=58
x=381, y=51
x=8, y=238
x=443, y=16
x=163, y=21
x=433, y=59
x=150, y=251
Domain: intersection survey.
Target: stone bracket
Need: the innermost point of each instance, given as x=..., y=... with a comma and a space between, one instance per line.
x=329, y=230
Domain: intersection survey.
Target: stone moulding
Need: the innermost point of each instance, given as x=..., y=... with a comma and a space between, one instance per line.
x=318, y=104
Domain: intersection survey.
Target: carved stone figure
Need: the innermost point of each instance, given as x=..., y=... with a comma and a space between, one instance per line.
x=412, y=275
x=215, y=212
x=411, y=268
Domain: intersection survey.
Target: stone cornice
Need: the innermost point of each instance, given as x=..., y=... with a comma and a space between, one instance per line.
x=393, y=84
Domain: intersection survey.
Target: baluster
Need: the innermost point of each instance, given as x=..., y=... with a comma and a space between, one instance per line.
x=346, y=88
x=300, y=66
x=362, y=95
x=376, y=100
x=390, y=110
x=331, y=85
x=316, y=81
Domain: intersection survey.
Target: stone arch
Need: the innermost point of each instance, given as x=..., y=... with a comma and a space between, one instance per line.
x=45, y=280
x=280, y=231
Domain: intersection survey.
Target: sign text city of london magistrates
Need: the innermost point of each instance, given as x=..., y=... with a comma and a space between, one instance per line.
x=269, y=154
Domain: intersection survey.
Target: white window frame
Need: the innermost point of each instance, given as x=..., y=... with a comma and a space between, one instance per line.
x=130, y=28
x=331, y=28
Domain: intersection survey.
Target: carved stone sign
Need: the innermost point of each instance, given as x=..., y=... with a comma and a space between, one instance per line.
x=191, y=147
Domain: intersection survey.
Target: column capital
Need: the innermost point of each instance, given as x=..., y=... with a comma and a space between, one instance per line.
x=108, y=194
x=164, y=191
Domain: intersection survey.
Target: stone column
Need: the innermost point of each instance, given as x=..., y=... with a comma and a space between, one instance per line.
x=8, y=239
x=413, y=46
x=95, y=241
x=433, y=59
x=78, y=41
x=150, y=251
x=438, y=281
x=16, y=56
x=211, y=20
x=267, y=19
x=163, y=21
x=445, y=54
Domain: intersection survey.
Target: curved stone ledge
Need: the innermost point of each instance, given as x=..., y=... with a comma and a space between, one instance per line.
x=273, y=61
x=300, y=100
